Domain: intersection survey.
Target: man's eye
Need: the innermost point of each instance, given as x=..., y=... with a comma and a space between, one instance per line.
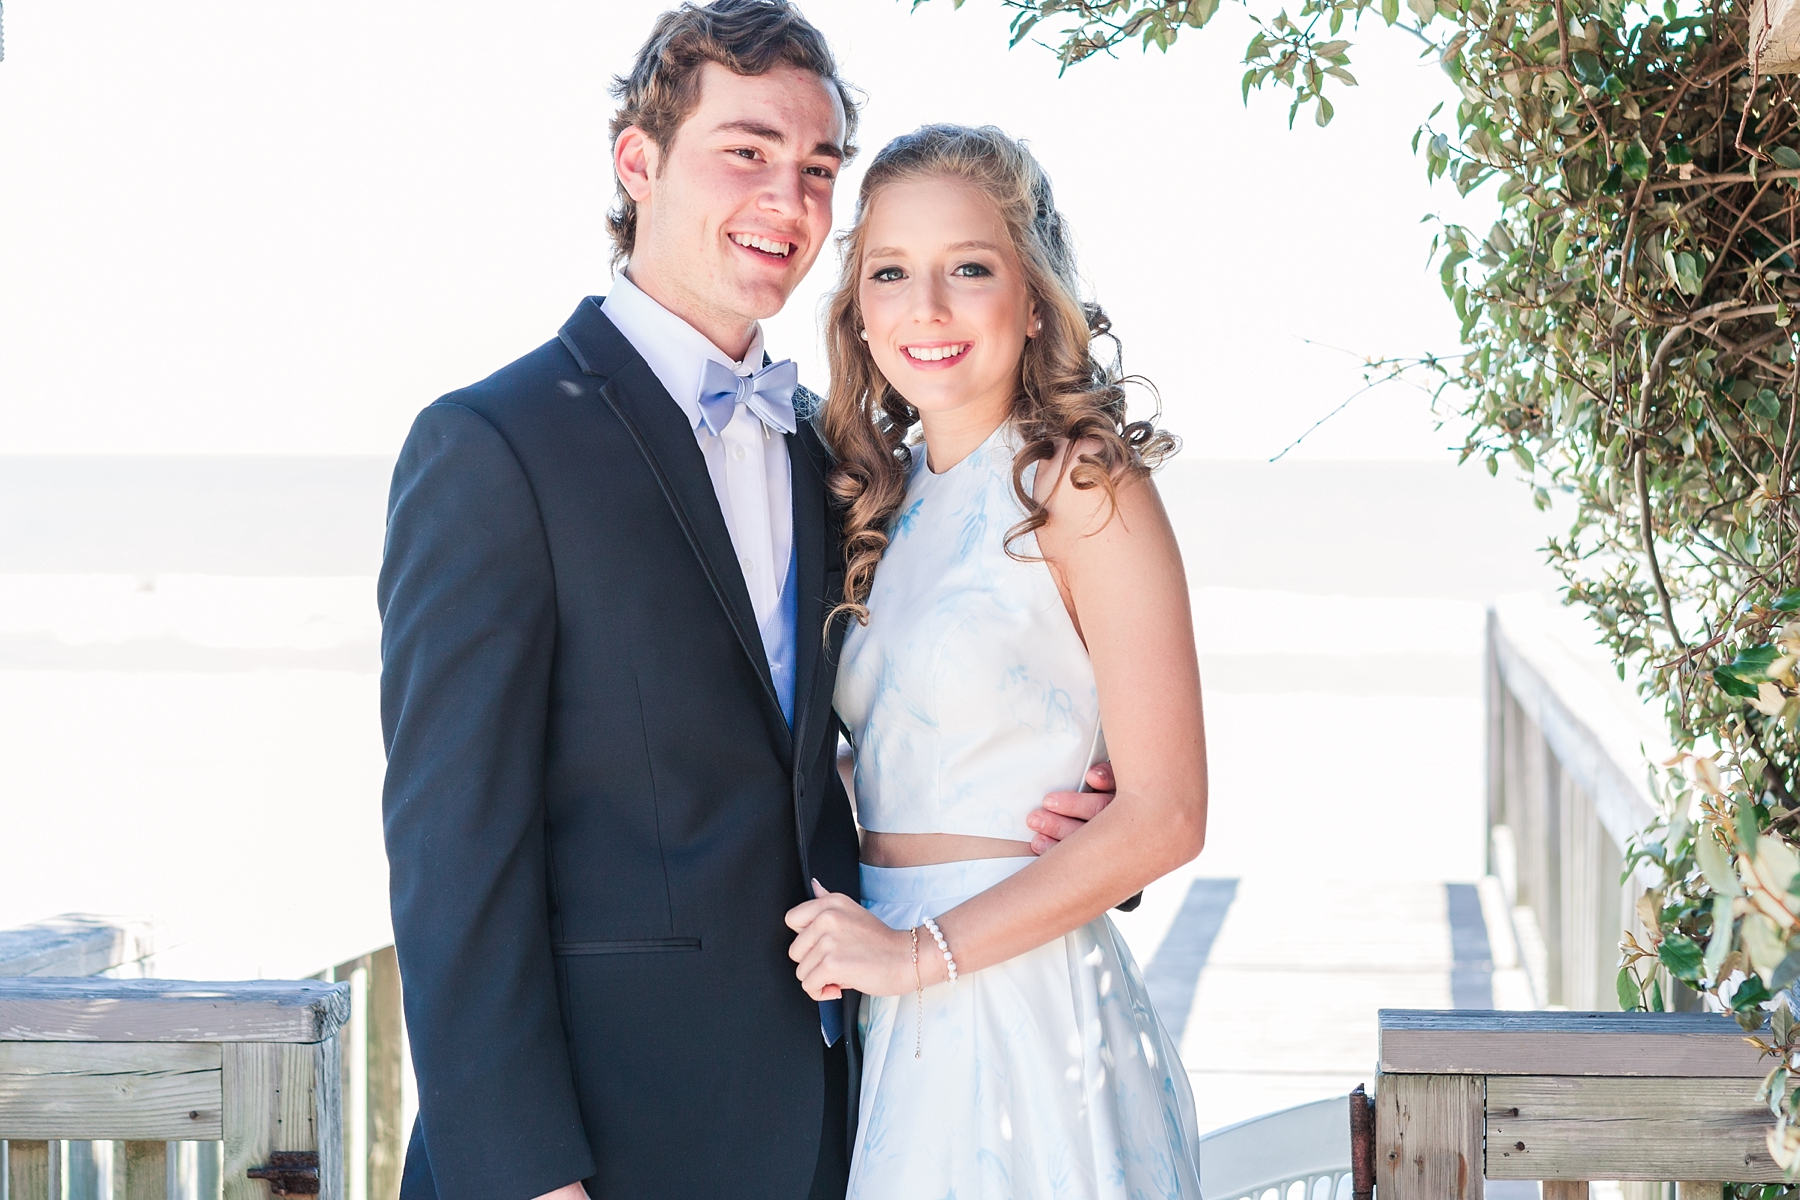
x=888, y=275
x=820, y=172
x=743, y=152
x=971, y=271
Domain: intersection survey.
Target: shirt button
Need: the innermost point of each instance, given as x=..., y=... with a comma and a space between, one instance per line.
x=737, y=452
x=749, y=565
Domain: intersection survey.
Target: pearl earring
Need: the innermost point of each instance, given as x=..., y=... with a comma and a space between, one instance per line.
x=864, y=335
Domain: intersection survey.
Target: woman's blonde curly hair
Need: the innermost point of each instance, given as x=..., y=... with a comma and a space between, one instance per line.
x=1065, y=393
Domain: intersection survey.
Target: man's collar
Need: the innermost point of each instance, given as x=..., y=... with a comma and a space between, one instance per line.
x=673, y=348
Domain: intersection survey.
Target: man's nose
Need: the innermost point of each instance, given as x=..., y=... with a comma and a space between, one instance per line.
x=783, y=193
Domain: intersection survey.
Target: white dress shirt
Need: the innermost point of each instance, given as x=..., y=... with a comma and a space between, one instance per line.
x=748, y=462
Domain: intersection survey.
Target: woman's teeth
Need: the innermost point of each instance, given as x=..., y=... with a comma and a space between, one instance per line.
x=766, y=245
x=935, y=353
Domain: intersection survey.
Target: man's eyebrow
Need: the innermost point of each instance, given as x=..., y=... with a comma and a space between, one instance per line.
x=769, y=133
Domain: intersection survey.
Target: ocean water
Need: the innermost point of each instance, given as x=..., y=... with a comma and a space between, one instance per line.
x=189, y=728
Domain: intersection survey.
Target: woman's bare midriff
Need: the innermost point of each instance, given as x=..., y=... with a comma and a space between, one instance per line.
x=929, y=849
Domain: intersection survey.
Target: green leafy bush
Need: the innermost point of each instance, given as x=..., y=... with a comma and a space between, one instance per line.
x=1628, y=341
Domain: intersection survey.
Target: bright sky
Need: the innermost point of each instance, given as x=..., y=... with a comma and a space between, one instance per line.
x=285, y=227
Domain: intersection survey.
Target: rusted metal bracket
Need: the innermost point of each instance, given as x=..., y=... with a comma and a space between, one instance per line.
x=290, y=1172
x=1362, y=1145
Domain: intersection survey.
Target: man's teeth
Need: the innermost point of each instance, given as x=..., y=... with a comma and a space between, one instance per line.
x=762, y=243
x=935, y=353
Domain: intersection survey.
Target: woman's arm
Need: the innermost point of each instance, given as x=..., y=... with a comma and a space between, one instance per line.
x=1122, y=577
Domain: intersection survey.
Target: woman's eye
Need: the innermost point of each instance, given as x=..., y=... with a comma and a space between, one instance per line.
x=888, y=275
x=971, y=271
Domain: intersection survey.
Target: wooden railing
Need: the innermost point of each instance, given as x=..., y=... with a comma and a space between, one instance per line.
x=1567, y=787
x=142, y=1063
x=1566, y=1098
x=368, y=1080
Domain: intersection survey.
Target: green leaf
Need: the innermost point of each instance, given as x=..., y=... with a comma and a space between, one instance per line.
x=1390, y=11
x=1786, y=157
x=1615, y=179
x=1788, y=601
x=1423, y=9
x=1679, y=155
x=1559, y=250
x=1588, y=68
x=1715, y=864
x=1765, y=404
x=1752, y=664
x=1656, y=1003
x=1522, y=456
x=1683, y=956
x=1750, y=994
x=1687, y=271
x=1719, y=943
x=1631, y=998
x=1323, y=113
x=1634, y=158
x=1731, y=685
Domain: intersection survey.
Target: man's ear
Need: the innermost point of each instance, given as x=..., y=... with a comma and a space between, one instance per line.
x=634, y=161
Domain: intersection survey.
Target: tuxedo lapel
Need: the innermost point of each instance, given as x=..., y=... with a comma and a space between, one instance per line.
x=806, y=468
x=655, y=423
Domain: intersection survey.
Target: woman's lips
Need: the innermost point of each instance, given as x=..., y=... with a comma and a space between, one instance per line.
x=935, y=356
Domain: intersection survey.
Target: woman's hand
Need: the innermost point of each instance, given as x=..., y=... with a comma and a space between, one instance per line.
x=840, y=944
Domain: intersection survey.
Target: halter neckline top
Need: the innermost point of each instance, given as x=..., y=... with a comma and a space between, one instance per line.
x=969, y=694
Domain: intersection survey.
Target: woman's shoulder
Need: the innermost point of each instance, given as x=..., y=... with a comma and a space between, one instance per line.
x=1086, y=481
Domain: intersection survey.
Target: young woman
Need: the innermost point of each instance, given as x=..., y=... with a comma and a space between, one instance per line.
x=1015, y=585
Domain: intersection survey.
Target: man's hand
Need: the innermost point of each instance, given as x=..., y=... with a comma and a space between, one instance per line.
x=1065, y=812
x=572, y=1191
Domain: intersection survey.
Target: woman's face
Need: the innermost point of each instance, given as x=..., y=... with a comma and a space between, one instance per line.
x=944, y=301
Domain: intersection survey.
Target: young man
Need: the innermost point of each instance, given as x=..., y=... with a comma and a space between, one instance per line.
x=606, y=684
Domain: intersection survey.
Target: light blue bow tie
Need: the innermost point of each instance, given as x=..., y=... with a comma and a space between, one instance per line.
x=769, y=394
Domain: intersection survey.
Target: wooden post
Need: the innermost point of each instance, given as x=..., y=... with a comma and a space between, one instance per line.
x=1564, y=1189
x=387, y=1034
x=28, y=1170
x=327, y=1117
x=1699, y=1191
x=269, y=1106
x=141, y=1171
x=1428, y=1131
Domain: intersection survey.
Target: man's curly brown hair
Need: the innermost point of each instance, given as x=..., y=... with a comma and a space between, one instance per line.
x=746, y=37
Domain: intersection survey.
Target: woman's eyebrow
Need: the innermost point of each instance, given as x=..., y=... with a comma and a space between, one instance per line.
x=891, y=252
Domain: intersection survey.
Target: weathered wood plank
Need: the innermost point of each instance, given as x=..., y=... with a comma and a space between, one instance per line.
x=1700, y=1191
x=162, y=1010
x=387, y=1139
x=1468, y=1042
x=141, y=1171
x=28, y=1170
x=87, y=1090
x=270, y=1104
x=1564, y=1189
x=74, y=944
x=1576, y=1127
x=1428, y=1137
x=328, y=1119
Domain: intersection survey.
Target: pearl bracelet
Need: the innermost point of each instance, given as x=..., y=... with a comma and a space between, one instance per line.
x=937, y=935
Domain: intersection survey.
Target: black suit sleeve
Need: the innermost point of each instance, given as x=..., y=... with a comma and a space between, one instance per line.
x=468, y=630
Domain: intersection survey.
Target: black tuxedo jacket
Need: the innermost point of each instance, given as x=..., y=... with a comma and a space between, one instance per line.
x=596, y=814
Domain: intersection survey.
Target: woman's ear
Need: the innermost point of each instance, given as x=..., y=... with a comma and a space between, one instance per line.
x=634, y=160
x=1034, y=324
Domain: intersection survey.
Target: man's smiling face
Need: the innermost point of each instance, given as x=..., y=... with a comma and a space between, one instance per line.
x=733, y=213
